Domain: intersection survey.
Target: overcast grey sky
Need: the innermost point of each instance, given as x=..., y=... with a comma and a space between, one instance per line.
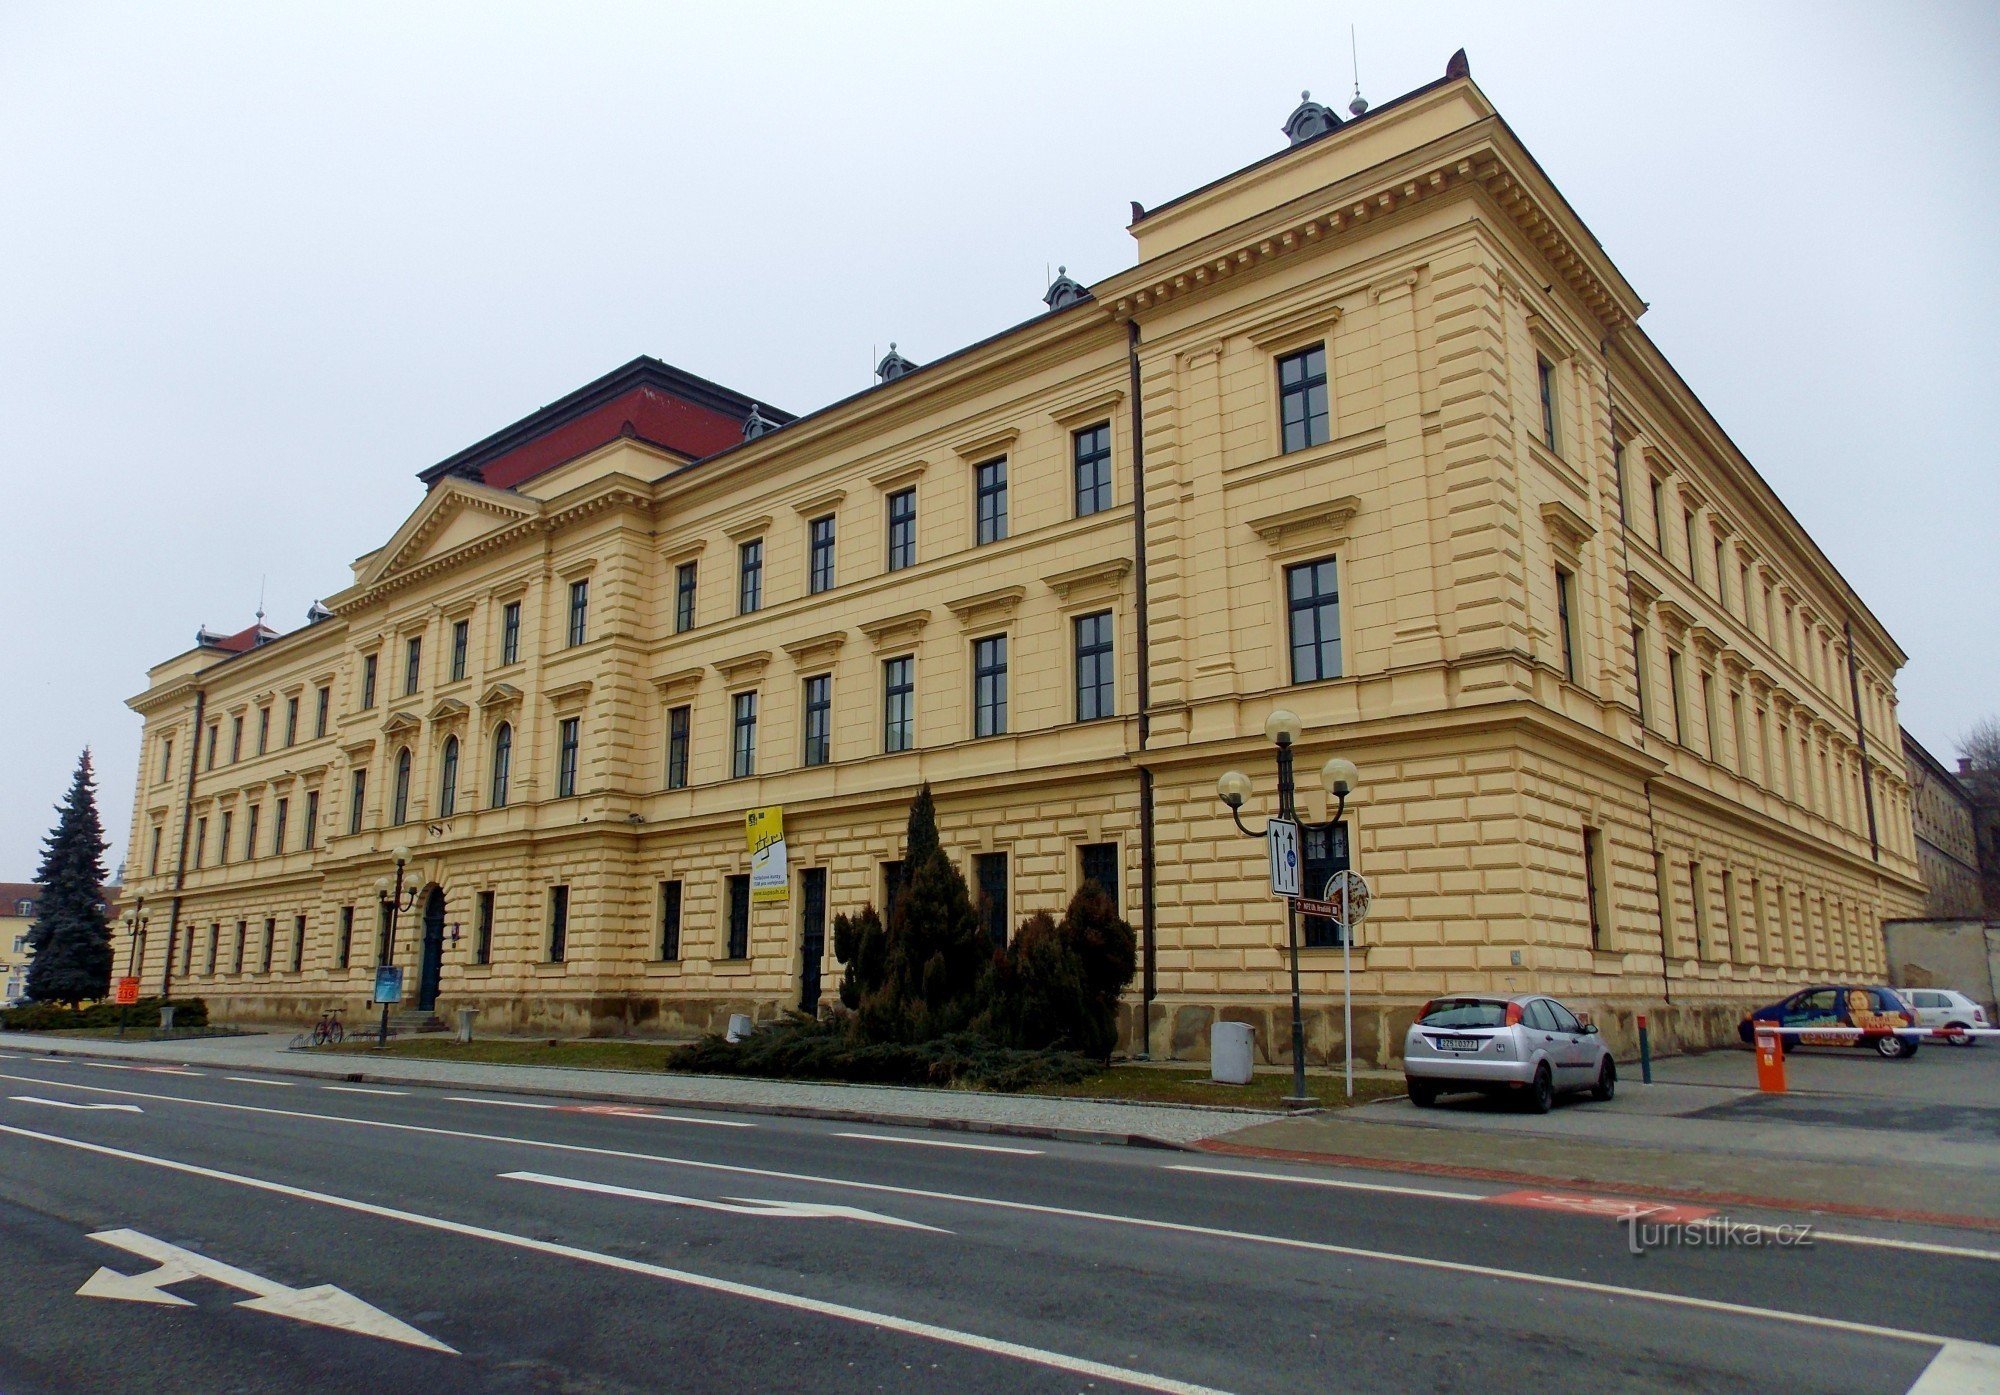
x=259, y=263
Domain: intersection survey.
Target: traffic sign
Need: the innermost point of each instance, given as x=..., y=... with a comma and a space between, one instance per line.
x=126, y=992
x=1330, y=910
x=1282, y=837
x=1356, y=892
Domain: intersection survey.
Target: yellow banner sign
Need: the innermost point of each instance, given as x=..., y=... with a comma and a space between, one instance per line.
x=769, y=880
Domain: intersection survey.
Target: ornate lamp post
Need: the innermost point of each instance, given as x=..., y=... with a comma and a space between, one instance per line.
x=394, y=901
x=1339, y=776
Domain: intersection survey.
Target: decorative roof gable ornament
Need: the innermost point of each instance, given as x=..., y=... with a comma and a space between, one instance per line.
x=756, y=424
x=1309, y=121
x=1457, y=66
x=317, y=613
x=1064, y=292
x=893, y=365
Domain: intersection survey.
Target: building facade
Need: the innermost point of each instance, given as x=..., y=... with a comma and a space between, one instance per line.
x=1369, y=432
x=19, y=902
x=1947, y=838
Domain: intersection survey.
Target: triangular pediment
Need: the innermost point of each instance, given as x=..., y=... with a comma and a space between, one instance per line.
x=456, y=514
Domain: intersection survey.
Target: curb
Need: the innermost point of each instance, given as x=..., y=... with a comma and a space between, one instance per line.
x=1621, y=1188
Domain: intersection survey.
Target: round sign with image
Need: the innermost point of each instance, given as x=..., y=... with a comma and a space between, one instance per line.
x=1356, y=891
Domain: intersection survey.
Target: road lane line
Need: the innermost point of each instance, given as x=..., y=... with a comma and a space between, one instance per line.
x=259, y=1080
x=505, y=1104
x=149, y=1070
x=638, y=1111
x=72, y=1104
x=942, y=1143
x=363, y=1090
x=1333, y=1182
x=973, y=1341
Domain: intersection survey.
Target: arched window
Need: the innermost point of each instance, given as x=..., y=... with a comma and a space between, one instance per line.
x=503, y=756
x=400, y=811
x=448, y=779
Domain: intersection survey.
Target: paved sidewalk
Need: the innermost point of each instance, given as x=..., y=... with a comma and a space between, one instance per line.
x=1077, y=1120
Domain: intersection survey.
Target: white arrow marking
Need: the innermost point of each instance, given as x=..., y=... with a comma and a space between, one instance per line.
x=72, y=1104
x=323, y=1305
x=743, y=1205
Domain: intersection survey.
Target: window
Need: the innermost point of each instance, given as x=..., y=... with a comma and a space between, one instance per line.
x=298, y=943
x=1698, y=903
x=448, y=779
x=1639, y=669
x=1566, y=622
x=291, y=721
x=1736, y=730
x=358, y=791
x=461, y=641
x=209, y=763
x=187, y=953
x=820, y=548
x=558, y=923
x=899, y=704
x=263, y=730
x=510, y=634
x=903, y=529
x=413, y=662
x=678, y=722
x=989, y=691
x=153, y=854
x=670, y=920
x=503, y=760
x=242, y=942
x=1721, y=574
x=381, y=933
x=1618, y=474
x=579, y=610
x=1302, y=413
x=222, y=844
x=399, y=803
x=743, y=736
x=1090, y=454
x=214, y=945
x=1322, y=852
x=270, y=942
x=892, y=887
x=1710, y=729
x=311, y=838
x=235, y=739
x=1687, y=529
x=566, y=743
x=200, y=842
x=989, y=877
x=1743, y=592
x=1659, y=516
x=1732, y=943
x=1096, y=675
x=1545, y=379
x=1593, y=884
x=278, y=818
x=1097, y=865
x=738, y=946
x=819, y=719
x=1313, y=598
x=991, y=479
x=368, y=667
x=320, y=712
x=250, y=834
x=685, y=576
x=1674, y=693
x=167, y=759
x=750, y=576
x=482, y=929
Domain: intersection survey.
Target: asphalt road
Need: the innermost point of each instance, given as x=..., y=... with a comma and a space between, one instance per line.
x=481, y=1242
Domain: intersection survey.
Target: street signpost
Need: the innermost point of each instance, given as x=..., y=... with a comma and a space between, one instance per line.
x=1282, y=838
x=127, y=992
x=1351, y=894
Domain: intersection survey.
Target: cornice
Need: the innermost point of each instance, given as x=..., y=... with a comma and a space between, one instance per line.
x=1329, y=517
x=985, y=607
x=1569, y=528
x=895, y=629
x=500, y=695
x=568, y=695
x=680, y=683
x=820, y=501
x=743, y=668
x=1096, y=578
x=986, y=445
x=805, y=652
x=748, y=529
x=897, y=476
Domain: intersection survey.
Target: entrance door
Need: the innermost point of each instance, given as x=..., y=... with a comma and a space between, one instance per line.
x=432, y=967
x=812, y=935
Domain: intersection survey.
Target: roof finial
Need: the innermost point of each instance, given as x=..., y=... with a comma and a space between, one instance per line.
x=1360, y=103
x=1063, y=292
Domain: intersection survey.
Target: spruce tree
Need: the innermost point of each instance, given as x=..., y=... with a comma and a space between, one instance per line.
x=934, y=950
x=70, y=940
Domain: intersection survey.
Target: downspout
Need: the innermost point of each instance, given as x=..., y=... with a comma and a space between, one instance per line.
x=1861, y=737
x=180, y=856
x=1148, y=853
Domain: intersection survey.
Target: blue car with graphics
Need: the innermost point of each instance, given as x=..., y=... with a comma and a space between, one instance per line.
x=1878, y=1012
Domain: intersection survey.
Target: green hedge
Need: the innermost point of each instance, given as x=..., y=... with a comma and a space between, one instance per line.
x=801, y=1049
x=54, y=1017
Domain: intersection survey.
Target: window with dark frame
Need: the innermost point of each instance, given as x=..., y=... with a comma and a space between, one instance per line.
x=321, y=712
x=482, y=929
x=899, y=703
x=343, y=947
x=270, y=943
x=381, y=932
x=242, y=943
x=235, y=740
x=1090, y=454
x=279, y=814
x=448, y=778
x=818, y=719
x=991, y=481
x=1096, y=674
x=1659, y=514
x=579, y=610
x=213, y=730
x=743, y=736
x=214, y=945
x=1593, y=850
x=670, y=921
x=263, y=730
x=298, y=943
x=680, y=721
x=413, y=661
x=357, y=790
x=819, y=539
x=1322, y=853
x=291, y=721
x=1687, y=529
x=250, y=834
x=503, y=762
x=892, y=887
x=1097, y=865
x=989, y=877
x=1618, y=474
x=569, y=739
x=738, y=945
x=686, y=575
x=1565, y=622
x=750, y=576
x=558, y=923
x=1302, y=399
x=989, y=686
x=1676, y=696
x=224, y=838
x=1545, y=379
x=903, y=529
x=510, y=634
x=1639, y=670
x=461, y=642
x=1721, y=573
x=1312, y=594
x=399, y=804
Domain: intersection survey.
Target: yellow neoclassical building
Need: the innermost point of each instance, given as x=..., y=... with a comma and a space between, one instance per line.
x=1369, y=432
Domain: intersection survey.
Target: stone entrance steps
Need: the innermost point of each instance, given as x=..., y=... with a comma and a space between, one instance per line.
x=412, y=1023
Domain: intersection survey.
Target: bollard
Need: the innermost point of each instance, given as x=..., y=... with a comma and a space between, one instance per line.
x=166, y=1017
x=1645, y=1052
x=1770, y=1059
x=465, y=1016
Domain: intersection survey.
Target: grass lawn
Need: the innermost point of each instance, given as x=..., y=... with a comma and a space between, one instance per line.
x=1150, y=1084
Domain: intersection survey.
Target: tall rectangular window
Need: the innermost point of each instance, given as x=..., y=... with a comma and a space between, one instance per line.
x=1312, y=593
x=1593, y=884
x=1302, y=405
x=413, y=663
x=321, y=712
x=482, y=929
x=298, y=943
x=1659, y=514
x=381, y=932
x=566, y=756
x=166, y=759
x=1545, y=379
x=899, y=703
x=1097, y=865
x=153, y=854
x=1711, y=730
x=579, y=610
x=278, y=815
x=819, y=537
x=1639, y=670
x=819, y=720
x=989, y=891
x=670, y=920
x=679, y=722
x=291, y=721
x=1096, y=674
x=510, y=633
x=213, y=729
x=1698, y=903
x=1687, y=530
x=263, y=730
x=1618, y=474
x=222, y=843
x=461, y=641
x=270, y=943
x=214, y=946
x=1721, y=574
x=903, y=529
x=558, y=923
x=1736, y=730
x=200, y=842
x=1732, y=943
x=242, y=942
x=235, y=740
x=750, y=576
x=743, y=736
x=1566, y=622
x=738, y=945
x=991, y=481
x=250, y=834
x=989, y=691
x=892, y=887
x=369, y=664
x=1090, y=455
x=311, y=831
x=685, y=577
x=1675, y=695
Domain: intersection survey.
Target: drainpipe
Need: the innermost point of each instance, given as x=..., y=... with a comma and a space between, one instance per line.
x=180, y=856
x=1148, y=854
x=1861, y=738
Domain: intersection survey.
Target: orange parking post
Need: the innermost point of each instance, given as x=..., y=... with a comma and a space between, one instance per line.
x=1770, y=1060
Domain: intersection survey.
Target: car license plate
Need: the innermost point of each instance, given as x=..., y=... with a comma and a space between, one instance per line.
x=1457, y=1043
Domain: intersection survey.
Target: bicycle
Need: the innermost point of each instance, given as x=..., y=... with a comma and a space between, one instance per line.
x=328, y=1031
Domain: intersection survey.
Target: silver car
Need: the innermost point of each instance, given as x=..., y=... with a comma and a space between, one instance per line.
x=1530, y=1044
x=1946, y=1010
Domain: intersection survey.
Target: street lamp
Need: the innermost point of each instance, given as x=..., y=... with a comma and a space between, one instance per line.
x=394, y=901
x=1340, y=776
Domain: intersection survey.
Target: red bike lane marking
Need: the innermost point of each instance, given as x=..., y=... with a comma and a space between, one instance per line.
x=1613, y=1207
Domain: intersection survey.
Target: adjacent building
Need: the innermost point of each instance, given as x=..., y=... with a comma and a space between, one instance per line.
x=1369, y=432
x=19, y=903
x=1947, y=839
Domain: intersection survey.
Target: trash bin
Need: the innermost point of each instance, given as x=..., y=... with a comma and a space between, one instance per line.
x=465, y=1016
x=166, y=1017
x=739, y=1026
x=1229, y=1052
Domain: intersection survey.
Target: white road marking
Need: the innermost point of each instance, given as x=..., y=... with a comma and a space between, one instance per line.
x=508, y=1104
x=72, y=1104
x=322, y=1305
x=149, y=1070
x=942, y=1143
x=616, y=1111
x=363, y=1090
x=733, y=1205
x=1075, y=1365
x=1960, y=1368
x=259, y=1080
